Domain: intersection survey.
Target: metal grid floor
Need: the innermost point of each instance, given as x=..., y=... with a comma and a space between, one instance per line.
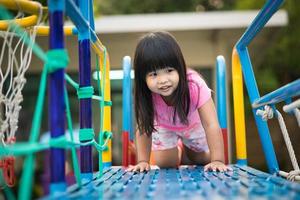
x=187, y=182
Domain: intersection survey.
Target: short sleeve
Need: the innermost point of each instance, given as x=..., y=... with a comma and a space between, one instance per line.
x=200, y=93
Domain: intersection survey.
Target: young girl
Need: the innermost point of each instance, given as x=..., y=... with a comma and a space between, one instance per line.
x=173, y=103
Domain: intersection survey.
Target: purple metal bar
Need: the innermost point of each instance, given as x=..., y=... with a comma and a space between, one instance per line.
x=86, y=162
x=56, y=104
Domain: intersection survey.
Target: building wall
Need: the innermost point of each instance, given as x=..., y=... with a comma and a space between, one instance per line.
x=200, y=48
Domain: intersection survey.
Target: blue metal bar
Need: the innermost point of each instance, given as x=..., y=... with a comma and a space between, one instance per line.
x=86, y=160
x=56, y=101
x=259, y=22
x=81, y=23
x=270, y=7
x=262, y=126
x=286, y=92
x=92, y=22
x=127, y=96
x=221, y=91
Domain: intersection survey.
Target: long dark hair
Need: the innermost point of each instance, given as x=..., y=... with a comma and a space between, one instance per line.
x=158, y=50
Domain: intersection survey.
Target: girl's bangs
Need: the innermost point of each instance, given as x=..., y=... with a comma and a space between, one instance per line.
x=159, y=59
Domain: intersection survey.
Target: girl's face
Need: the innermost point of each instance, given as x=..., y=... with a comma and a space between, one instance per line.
x=163, y=81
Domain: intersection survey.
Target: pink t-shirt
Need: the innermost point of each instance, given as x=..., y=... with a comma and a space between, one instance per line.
x=199, y=95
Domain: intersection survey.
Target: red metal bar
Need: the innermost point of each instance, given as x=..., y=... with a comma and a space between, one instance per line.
x=125, y=140
x=225, y=139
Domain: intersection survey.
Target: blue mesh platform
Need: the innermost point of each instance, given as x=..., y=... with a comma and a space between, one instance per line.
x=187, y=182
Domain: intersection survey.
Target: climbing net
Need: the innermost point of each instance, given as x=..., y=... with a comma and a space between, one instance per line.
x=269, y=111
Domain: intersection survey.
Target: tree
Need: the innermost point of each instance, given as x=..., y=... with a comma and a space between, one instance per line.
x=283, y=55
x=109, y=7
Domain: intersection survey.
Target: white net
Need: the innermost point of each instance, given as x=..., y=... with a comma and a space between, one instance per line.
x=15, y=57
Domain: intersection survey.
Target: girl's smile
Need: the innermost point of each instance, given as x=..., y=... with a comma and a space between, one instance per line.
x=163, y=81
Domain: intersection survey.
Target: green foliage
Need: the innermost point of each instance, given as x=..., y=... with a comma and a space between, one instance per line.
x=110, y=7
x=266, y=80
x=283, y=56
x=282, y=60
x=249, y=4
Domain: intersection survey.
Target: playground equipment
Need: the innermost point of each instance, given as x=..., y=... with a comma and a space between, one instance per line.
x=222, y=102
x=186, y=182
x=56, y=59
x=242, y=61
x=17, y=48
x=128, y=157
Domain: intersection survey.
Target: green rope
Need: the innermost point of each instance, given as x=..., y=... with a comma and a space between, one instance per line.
x=86, y=134
x=56, y=59
x=26, y=179
x=73, y=150
x=76, y=86
x=103, y=72
x=71, y=81
x=106, y=103
x=85, y=92
x=107, y=134
x=101, y=111
x=23, y=148
x=9, y=193
x=27, y=148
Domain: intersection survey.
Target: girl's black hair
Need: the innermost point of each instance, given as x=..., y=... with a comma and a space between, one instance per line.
x=158, y=50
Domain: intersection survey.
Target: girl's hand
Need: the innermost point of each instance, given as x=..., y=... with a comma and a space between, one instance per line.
x=142, y=166
x=217, y=166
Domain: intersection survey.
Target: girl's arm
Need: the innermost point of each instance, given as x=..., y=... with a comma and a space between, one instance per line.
x=143, y=144
x=214, y=137
x=143, y=147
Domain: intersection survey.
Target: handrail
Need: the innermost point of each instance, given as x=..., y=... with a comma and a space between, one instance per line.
x=285, y=92
x=259, y=22
x=270, y=7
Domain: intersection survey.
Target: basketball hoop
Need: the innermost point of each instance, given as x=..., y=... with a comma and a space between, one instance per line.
x=15, y=57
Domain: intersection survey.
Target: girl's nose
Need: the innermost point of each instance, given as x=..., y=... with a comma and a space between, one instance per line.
x=162, y=79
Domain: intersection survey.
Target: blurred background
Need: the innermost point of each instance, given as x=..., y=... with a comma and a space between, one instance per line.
x=204, y=29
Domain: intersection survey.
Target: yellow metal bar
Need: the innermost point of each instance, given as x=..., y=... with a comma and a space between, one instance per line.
x=239, y=114
x=30, y=7
x=99, y=50
x=23, y=22
x=107, y=156
x=44, y=30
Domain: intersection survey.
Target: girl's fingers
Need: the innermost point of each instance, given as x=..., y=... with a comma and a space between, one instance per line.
x=129, y=169
x=137, y=168
x=217, y=167
x=229, y=168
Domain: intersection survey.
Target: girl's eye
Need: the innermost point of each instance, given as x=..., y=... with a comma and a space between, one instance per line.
x=152, y=74
x=170, y=70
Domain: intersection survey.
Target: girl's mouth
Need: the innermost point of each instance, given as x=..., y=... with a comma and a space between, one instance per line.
x=165, y=88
